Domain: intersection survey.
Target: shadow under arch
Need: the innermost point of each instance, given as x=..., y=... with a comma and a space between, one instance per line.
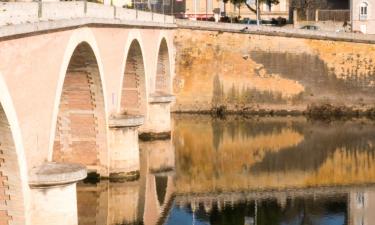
x=133, y=91
x=13, y=168
x=163, y=69
x=81, y=132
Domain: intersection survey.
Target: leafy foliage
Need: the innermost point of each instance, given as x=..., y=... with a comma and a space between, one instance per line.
x=250, y=7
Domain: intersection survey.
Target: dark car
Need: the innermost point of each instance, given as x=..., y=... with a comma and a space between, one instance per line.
x=310, y=27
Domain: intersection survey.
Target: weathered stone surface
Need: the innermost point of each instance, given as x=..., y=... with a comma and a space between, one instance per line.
x=158, y=123
x=51, y=173
x=125, y=121
x=124, y=176
x=81, y=129
x=161, y=98
x=252, y=72
x=151, y=136
x=123, y=151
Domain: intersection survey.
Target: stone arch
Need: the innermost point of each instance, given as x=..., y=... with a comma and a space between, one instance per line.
x=81, y=131
x=13, y=169
x=133, y=98
x=163, y=69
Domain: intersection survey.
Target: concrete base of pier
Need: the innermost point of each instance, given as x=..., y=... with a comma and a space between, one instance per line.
x=158, y=124
x=124, y=149
x=53, y=193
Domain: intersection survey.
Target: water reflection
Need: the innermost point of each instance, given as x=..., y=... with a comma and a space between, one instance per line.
x=313, y=206
x=256, y=171
x=137, y=202
x=236, y=154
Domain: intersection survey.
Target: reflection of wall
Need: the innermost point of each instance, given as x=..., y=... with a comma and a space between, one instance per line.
x=123, y=203
x=160, y=154
x=146, y=200
x=92, y=203
x=270, y=152
x=108, y=203
x=361, y=207
x=246, y=71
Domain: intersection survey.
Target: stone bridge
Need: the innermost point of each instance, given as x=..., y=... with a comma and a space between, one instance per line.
x=78, y=82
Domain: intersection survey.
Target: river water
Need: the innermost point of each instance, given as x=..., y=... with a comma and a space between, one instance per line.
x=248, y=171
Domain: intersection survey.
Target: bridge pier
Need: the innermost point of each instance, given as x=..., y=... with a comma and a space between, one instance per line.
x=158, y=124
x=53, y=193
x=124, y=148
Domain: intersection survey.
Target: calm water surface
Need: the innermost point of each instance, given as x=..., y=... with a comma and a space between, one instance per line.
x=248, y=171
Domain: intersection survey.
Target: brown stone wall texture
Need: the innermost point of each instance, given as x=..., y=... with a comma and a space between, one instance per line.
x=133, y=94
x=254, y=72
x=80, y=130
x=163, y=73
x=11, y=197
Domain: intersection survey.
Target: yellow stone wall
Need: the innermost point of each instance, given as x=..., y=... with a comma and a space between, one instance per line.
x=248, y=71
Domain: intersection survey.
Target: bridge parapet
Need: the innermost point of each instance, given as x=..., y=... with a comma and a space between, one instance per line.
x=275, y=31
x=13, y=13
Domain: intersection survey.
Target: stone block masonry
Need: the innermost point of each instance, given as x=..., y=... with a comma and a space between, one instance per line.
x=11, y=198
x=257, y=72
x=80, y=131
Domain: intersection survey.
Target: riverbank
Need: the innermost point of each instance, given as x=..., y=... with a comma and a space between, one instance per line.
x=325, y=111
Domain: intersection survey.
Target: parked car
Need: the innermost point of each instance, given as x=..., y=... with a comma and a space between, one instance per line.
x=248, y=21
x=310, y=27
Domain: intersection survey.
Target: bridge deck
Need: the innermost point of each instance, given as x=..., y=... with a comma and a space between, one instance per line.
x=21, y=18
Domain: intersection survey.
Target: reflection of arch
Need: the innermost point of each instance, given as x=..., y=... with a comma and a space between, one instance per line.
x=161, y=188
x=157, y=197
x=163, y=73
x=13, y=172
x=133, y=91
x=81, y=122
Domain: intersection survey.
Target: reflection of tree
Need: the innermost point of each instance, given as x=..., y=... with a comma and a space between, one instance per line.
x=230, y=215
x=217, y=132
x=301, y=210
x=305, y=211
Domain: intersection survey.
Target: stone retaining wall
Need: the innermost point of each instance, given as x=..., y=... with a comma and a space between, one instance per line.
x=255, y=72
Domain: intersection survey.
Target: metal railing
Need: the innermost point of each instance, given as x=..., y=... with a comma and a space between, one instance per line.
x=12, y=13
x=276, y=31
x=333, y=15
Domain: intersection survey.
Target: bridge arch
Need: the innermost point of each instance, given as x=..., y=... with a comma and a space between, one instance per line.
x=133, y=90
x=13, y=169
x=80, y=114
x=163, y=78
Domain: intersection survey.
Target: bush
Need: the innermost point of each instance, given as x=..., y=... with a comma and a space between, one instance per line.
x=279, y=21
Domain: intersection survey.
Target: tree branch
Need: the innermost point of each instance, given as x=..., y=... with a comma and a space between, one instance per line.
x=250, y=8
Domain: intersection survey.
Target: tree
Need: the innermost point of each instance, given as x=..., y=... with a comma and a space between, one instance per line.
x=250, y=7
x=309, y=4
